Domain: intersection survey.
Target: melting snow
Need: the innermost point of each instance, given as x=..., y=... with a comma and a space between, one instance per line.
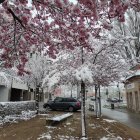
x=117, y=138
x=51, y=127
x=47, y=136
x=68, y=123
x=26, y=115
x=107, y=120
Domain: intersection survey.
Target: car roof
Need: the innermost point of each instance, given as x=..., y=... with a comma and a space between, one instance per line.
x=66, y=97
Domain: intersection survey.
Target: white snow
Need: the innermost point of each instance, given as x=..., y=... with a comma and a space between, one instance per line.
x=61, y=117
x=68, y=123
x=22, y=102
x=51, y=127
x=26, y=115
x=51, y=80
x=4, y=79
x=104, y=138
x=110, y=121
x=84, y=73
x=45, y=136
x=108, y=138
x=134, y=73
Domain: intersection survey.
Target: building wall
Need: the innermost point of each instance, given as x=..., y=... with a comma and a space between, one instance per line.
x=19, y=85
x=32, y=95
x=133, y=95
x=4, y=94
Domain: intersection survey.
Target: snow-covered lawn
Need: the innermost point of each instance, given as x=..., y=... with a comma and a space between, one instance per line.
x=70, y=129
x=25, y=115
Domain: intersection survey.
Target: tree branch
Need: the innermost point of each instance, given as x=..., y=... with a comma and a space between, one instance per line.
x=1, y=1
x=16, y=18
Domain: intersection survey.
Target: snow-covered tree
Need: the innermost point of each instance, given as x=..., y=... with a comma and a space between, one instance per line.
x=101, y=66
x=38, y=67
x=129, y=35
x=54, y=25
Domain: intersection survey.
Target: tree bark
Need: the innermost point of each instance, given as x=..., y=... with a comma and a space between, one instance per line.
x=100, y=113
x=96, y=101
x=83, y=111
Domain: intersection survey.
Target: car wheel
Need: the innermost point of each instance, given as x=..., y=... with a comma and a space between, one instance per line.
x=48, y=108
x=71, y=109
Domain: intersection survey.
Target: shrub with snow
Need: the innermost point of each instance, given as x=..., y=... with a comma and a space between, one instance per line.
x=12, y=108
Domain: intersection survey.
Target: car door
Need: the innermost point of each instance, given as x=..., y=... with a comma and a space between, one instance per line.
x=65, y=103
x=57, y=103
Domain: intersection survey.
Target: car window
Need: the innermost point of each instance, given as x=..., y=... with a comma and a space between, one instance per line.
x=65, y=100
x=71, y=100
x=58, y=99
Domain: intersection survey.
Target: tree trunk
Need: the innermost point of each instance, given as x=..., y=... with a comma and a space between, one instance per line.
x=100, y=113
x=96, y=101
x=83, y=111
x=37, y=99
x=78, y=91
x=71, y=90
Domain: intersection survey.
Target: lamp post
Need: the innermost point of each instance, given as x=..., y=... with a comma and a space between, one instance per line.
x=107, y=93
x=118, y=91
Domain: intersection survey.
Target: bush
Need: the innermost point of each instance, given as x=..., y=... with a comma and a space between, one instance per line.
x=11, y=108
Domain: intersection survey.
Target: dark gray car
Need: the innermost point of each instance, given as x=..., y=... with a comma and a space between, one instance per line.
x=61, y=103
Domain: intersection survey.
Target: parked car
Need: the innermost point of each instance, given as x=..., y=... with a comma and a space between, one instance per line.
x=62, y=103
x=92, y=99
x=114, y=100
x=118, y=100
x=108, y=99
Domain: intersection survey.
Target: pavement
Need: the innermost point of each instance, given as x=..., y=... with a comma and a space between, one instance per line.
x=122, y=115
x=128, y=118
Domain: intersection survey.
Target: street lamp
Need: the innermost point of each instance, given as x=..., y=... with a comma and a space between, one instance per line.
x=86, y=94
x=118, y=90
x=107, y=93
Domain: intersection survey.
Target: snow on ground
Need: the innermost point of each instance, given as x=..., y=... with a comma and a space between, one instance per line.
x=45, y=136
x=107, y=138
x=59, y=137
x=21, y=102
x=71, y=129
x=68, y=123
x=44, y=114
x=51, y=127
x=25, y=115
x=110, y=121
x=64, y=137
x=94, y=126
